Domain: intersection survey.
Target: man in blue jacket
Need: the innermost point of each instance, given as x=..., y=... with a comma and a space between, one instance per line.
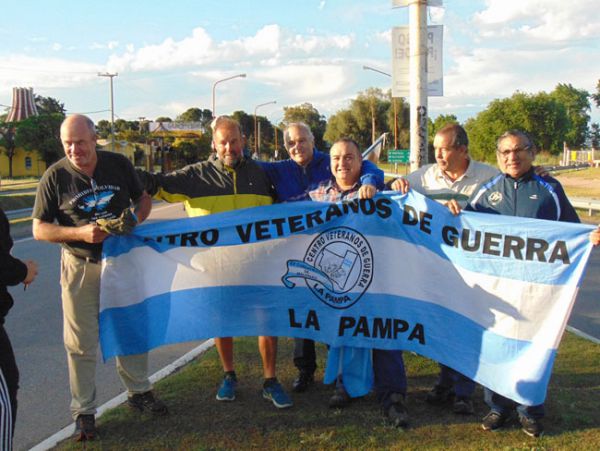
x=293, y=179
x=518, y=191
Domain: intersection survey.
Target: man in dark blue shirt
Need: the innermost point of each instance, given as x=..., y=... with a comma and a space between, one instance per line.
x=293, y=179
x=518, y=191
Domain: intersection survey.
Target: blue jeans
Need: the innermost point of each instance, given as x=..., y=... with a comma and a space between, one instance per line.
x=463, y=386
x=503, y=406
x=390, y=375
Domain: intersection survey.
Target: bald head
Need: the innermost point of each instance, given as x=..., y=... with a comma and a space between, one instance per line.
x=78, y=137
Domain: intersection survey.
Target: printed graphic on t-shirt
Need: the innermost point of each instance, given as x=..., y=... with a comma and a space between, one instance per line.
x=95, y=200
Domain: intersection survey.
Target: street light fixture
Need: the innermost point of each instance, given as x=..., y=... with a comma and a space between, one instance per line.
x=393, y=103
x=256, y=137
x=112, y=106
x=214, y=114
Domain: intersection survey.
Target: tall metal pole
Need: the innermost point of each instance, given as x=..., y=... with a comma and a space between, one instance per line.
x=214, y=113
x=256, y=137
x=112, y=108
x=417, y=13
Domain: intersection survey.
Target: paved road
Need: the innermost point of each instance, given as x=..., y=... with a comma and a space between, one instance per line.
x=35, y=328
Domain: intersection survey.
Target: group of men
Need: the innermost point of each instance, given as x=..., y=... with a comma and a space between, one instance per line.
x=90, y=194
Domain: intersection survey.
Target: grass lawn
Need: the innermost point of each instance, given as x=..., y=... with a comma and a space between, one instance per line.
x=198, y=422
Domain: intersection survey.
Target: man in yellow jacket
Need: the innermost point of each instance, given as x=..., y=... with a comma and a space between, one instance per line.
x=226, y=181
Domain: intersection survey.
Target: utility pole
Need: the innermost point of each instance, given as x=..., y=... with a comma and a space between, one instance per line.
x=417, y=75
x=256, y=127
x=417, y=13
x=112, y=107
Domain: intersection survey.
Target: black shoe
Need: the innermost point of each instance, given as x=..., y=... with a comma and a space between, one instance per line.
x=147, y=401
x=340, y=398
x=303, y=381
x=440, y=395
x=494, y=421
x=463, y=406
x=85, y=428
x=396, y=413
x=532, y=427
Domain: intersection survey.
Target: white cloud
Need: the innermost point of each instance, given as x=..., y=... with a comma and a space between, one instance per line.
x=267, y=46
x=384, y=36
x=302, y=82
x=110, y=45
x=484, y=74
x=56, y=47
x=540, y=20
x=44, y=72
x=321, y=5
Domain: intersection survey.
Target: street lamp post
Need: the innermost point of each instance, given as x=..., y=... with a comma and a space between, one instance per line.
x=393, y=103
x=256, y=137
x=112, y=107
x=214, y=113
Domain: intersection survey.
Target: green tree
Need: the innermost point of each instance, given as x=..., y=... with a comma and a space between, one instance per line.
x=7, y=140
x=246, y=121
x=163, y=119
x=594, y=135
x=439, y=122
x=596, y=96
x=196, y=115
x=310, y=116
x=103, y=129
x=49, y=105
x=39, y=133
x=367, y=115
x=42, y=134
x=540, y=115
x=577, y=104
x=403, y=118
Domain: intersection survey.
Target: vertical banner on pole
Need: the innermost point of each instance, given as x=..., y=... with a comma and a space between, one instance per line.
x=401, y=58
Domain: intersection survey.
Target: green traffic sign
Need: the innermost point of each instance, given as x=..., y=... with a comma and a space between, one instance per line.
x=399, y=156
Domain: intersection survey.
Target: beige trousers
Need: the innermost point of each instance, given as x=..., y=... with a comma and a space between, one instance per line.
x=80, y=283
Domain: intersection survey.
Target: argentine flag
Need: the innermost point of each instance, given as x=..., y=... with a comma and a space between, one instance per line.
x=487, y=295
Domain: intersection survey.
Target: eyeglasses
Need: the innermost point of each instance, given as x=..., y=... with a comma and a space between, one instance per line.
x=504, y=153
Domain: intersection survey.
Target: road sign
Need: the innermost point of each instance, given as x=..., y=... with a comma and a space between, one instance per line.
x=399, y=156
x=401, y=57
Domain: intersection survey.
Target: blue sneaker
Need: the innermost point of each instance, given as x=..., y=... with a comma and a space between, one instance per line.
x=227, y=389
x=274, y=392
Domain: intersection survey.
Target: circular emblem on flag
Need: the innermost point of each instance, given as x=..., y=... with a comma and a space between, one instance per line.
x=342, y=260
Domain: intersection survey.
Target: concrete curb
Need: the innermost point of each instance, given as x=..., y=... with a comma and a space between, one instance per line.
x=68, y=431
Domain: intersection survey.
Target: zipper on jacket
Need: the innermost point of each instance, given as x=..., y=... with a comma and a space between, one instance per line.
x=516, y=186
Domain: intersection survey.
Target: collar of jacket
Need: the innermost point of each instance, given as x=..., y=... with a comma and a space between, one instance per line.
x=528, y=175
x=214, y=159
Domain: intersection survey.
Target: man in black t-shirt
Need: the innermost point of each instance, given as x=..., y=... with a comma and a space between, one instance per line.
x=74, y=193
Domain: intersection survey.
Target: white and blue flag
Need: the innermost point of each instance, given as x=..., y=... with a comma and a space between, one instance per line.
x=487, y=295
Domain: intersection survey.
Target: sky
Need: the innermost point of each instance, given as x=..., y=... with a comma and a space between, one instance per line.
x=169, y=54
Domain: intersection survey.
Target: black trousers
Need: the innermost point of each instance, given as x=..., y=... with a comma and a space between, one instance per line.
x=8, y=366
x=305, y=358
